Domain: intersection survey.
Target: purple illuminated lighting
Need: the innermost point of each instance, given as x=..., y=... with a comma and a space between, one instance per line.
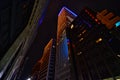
x=68, y=11
x=43, y=13
x=41, y=20
x=68, y=40
x=87, y=23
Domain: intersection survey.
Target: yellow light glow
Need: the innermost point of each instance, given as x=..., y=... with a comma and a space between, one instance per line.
x=99, y=40
x=118, y=55
x=79, y=53
x=79, y=35
x=72, y=26
x=81, y=39
x=83, y=31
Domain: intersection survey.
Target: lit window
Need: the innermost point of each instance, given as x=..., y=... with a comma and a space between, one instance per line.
x=72, y=26
x=81, y=39
x=99, y=40
x=79, y=53
x=83, y=31
x=79, y=35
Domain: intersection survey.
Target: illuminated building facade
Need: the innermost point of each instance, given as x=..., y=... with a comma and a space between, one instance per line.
x=45, y=67
x=95, y=46
x=63, y=65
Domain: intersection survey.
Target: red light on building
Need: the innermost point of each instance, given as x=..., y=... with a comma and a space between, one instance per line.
x=96, y=20
x=86, y=10
x=93, y=17
x=73, y=45
x=88, y=13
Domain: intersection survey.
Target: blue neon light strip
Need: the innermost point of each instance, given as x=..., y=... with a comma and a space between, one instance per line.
x=117, y=24
x=43, y=13
x=71, y=12
x=68, y=11
x=61, y=11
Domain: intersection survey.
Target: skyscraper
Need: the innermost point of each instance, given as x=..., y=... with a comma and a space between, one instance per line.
x=62, y=67
x=44, y=69
x=94, y=51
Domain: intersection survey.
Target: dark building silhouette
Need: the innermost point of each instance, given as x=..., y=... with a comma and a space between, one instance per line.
x=18, y=24
x=14, y=16
x=95, y=46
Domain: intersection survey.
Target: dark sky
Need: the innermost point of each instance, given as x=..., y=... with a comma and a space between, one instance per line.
x=47, y=28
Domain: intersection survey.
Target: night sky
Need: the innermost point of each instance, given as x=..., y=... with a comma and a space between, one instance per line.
x=48, y=27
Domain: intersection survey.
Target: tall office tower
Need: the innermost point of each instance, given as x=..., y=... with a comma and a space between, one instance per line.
x=45, y=67
x=62, y=68
x=13, y=20
x=95, y=47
